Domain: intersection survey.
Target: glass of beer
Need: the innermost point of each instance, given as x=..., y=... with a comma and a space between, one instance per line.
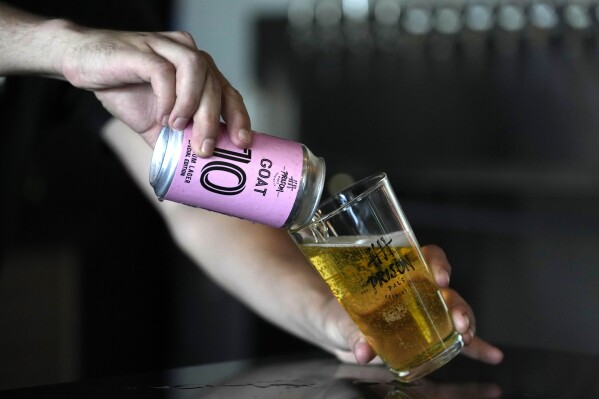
x=362, y=245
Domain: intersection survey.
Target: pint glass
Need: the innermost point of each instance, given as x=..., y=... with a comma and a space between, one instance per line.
x=362, y=245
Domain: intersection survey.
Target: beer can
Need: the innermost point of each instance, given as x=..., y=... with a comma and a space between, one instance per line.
x=276, y=182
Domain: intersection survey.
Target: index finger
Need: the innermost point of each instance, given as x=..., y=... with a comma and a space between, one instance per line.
x=233, y=109
x=192, y=76
x=480, y=349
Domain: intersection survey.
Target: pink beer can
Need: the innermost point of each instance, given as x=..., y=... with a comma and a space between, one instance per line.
x=276, y=182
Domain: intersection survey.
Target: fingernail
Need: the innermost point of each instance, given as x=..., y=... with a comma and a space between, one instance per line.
x=360, y=352
x=180, y=123
x=495, y=356
x=443, y=278
x=244, y=136
x=462, y=322
x=207, y=146
x=165, y=120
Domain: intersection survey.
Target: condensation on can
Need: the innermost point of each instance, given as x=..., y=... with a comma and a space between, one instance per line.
x=167, y=174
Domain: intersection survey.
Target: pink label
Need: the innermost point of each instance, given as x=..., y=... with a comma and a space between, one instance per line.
x=258, y=184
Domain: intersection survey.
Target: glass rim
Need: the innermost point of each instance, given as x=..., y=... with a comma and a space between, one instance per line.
x=379, y=178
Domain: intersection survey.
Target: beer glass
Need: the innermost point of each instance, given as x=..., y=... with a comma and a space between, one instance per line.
x=362, y=245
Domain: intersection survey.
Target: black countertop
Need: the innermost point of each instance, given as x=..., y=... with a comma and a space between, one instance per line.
x=525, y=373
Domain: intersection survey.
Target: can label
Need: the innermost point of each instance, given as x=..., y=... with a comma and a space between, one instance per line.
x=259, y=184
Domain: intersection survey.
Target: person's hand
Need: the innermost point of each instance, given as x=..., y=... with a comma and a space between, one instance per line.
x=149, y=80
x=351, y=346
x=461, y=313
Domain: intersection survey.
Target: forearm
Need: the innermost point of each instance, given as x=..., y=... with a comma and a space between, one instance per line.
x=260, y=266
x=30, y=44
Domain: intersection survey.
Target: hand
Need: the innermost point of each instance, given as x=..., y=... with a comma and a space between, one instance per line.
x=149, y=80
x=461, y=313
x=352, y=346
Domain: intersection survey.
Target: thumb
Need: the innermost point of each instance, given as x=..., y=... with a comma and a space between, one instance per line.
x=363, y=352
x=356, y=342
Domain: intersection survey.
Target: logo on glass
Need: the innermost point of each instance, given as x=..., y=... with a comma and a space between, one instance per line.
x=389, y=263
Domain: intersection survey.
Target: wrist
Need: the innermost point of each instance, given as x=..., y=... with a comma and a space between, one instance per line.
x=60, y=38
x=32, y=45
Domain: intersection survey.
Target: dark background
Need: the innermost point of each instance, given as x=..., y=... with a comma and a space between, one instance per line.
x=490, y=139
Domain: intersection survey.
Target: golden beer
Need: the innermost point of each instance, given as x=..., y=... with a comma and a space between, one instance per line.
x=387, y=289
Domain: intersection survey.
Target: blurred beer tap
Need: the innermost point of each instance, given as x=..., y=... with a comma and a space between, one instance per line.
x=543, y=15
x=417, y=19
x=511, y=21
x=357, y=25
x=315, y=24
x=543, y=22
x=478, y=16
x=300, y=20
x=416, y=23
x=577, y=27
x=328, y=17
x=479, y=22
x=386, y=15
x=511, y=16
x=594, y=11
x=576, y=15
x=448, y=17
x=447, y=24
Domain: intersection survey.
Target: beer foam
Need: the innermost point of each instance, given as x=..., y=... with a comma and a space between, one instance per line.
x=399, y=239
x=395, y=313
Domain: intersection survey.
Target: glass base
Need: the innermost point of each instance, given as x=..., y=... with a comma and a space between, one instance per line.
x=453, y=345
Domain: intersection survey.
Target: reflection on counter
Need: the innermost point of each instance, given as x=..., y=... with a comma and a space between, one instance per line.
x=525, y=373
x=327, y=379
